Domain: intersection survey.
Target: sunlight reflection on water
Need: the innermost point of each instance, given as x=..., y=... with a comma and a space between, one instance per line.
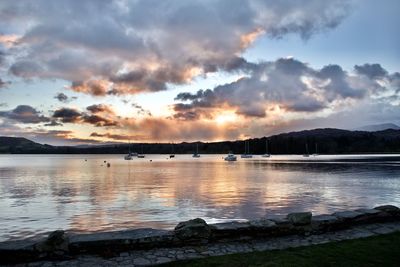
x=41, y=193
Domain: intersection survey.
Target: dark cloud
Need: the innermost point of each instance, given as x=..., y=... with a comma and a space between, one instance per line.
x=24, y=114
x=339, y=83
x=140, y=110
x=67, y=115
x=100, y=108
x=126, y=47
x=290, y=84
x=53, y=123
x=373, y=71
x=61, y=97
x=64, y=98
x=26, y=69
x=99, y=121
x=186, y=116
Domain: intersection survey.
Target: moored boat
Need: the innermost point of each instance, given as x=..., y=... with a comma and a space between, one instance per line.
x=230, y=157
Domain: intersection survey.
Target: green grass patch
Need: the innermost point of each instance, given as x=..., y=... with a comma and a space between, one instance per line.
x=381, y=250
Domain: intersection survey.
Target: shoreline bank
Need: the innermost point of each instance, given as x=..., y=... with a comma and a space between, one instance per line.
x=213, y=239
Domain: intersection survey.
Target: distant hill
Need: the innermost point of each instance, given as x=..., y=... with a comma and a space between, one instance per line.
x=20, y=145
x=323, y=141
x=378, y=127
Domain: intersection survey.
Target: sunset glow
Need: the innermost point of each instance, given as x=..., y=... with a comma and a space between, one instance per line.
x=133, y=71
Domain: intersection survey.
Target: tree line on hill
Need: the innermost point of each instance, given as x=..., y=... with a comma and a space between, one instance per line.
x=325, y=141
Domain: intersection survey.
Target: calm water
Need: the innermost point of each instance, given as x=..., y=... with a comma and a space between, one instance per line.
x=41, y=193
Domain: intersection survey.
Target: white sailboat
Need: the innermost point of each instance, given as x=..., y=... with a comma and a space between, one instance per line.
x=230, y=157
x=196, y=155
x=246, y=154
x=266, y=155
x=129, y=156
x=306, y=155
x=316, y=150
x=141, y=155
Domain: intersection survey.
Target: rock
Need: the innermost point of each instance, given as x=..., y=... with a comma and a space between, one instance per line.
x=56, y=243
x=368, y=211
x=324, y=222
x=300, y=218
x=141, y=262
x=231, y=229
x=262, y=223
x=193, y=229
x=347, y=215
x=389, y=209
x=324, y=218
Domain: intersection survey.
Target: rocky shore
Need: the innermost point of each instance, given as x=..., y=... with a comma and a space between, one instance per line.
x=195, y=239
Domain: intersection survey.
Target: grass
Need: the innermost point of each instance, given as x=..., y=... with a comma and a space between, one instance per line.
x=381, y=250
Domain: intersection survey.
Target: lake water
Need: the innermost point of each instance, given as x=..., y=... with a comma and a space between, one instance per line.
x=41, y=193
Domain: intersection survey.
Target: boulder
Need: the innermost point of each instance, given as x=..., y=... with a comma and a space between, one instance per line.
x=300, y=218
x=262, y=223
x=57, y=242
x=393, y=210
x=347, y=215
x=324, y=222
x=193, y=229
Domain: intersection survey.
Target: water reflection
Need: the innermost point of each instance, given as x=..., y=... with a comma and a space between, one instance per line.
x=43, y=193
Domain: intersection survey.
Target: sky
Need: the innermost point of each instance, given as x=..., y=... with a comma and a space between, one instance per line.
x=93, y=71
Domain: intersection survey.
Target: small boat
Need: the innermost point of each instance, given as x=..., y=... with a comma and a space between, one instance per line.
x=141, y=155
x=130, y=154
x=230, y=157
x=306, y=155
x=172, y=155
x=316, y=150
x=246, y=154
x=266, y=155
x=196, y=155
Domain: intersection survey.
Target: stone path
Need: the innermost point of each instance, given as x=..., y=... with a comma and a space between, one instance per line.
x=164, y=255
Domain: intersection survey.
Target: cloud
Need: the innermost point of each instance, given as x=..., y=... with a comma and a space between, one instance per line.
x=118, y=137
x=372, y=71
x=100, y=108
x=67, y=115
x=64, y=98
x=3, y=83
x=24, y=114
x=292, y=85
x=101, y=115
x=93, y=87
x=99, y=121
x=128, y=47
x=53, y=123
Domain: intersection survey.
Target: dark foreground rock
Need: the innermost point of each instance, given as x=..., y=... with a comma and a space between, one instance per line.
x=61, y=246
x=193, y=230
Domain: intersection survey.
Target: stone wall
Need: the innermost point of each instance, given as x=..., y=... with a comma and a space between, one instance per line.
x=60, y=245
